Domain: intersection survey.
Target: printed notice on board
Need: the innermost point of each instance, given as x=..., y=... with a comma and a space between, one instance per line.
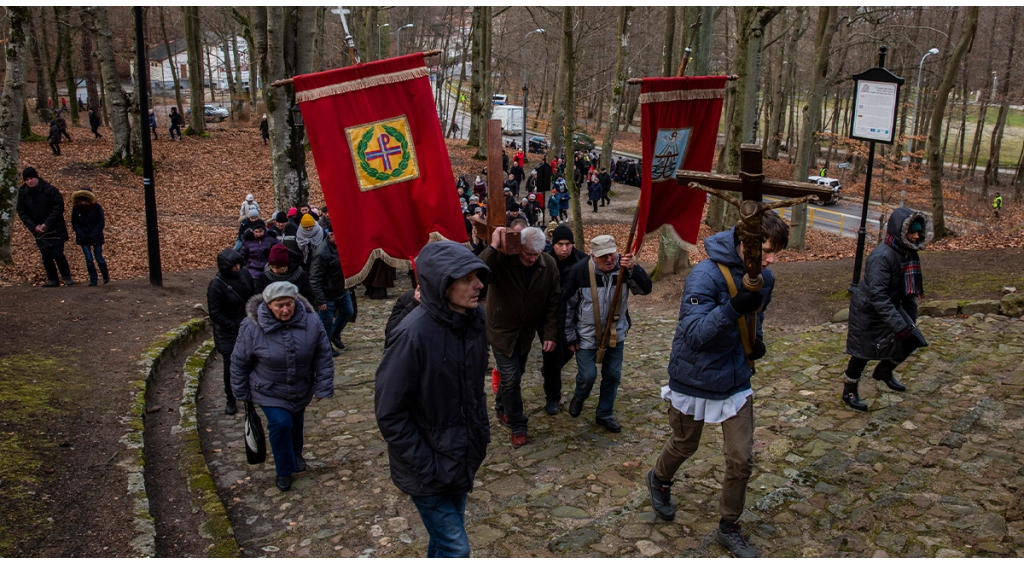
x=875, y=116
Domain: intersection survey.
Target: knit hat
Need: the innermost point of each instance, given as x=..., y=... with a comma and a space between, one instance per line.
x=278, y=255
x=249, y=198
x=280, y=290
x=281, y=217
x=602, y=245
x=29, y=172
x=507, y=189
x=258, y=224
x=253, y=212
x=513, y=207
x=307, y=221
x=916, y=227
x=563, y=233
x=292, y=212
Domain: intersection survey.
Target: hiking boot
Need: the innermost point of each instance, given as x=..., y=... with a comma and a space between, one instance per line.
x=850, y=396
x=69, y=281
x=609, y=423
x=552, y=408
x=661, y=497
x=338, y=344
x=51, y=284
x=300, y=464
x=231, y=407
x=93, y=282
x=728, y=535
x=575, y=406
x=518, y=440
x=335, y=353
x=283, y=483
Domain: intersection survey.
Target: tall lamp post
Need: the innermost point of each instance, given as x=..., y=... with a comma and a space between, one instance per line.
x=398, y=39
x=378, y=37
x=917, y=94
x=526, y=89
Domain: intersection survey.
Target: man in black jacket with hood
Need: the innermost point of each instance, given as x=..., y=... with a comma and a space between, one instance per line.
x=565, y=253
x=41, y=208
x=429, y=394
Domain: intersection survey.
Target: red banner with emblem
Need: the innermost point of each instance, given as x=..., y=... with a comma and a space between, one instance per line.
x=679, y=125
x=382, y=161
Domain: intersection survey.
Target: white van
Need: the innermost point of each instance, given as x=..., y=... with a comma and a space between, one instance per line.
x=511, y=119
x=827, y=182
x=499, y=99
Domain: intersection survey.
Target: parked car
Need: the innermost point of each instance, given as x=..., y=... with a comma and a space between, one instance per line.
x=828, y=183
x=582, y=142
x=211, y=113
x=537, y=144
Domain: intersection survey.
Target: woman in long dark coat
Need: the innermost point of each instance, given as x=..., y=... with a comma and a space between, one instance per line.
x=226, y=297
x=883, y=310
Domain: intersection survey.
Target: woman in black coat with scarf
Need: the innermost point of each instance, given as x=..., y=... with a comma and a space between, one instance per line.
x=226, y=297
x=883, y=310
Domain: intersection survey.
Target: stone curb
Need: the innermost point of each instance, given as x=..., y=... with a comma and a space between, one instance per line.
x=1012, y=305
x=216, y=526
x=144, y=541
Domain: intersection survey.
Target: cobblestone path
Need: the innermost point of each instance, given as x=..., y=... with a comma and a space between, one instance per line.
x=936, y=471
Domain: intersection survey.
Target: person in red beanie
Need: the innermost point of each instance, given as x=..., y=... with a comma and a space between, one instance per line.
x=280, y=268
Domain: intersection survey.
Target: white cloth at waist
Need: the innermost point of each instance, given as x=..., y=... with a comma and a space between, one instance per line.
x=707, y=410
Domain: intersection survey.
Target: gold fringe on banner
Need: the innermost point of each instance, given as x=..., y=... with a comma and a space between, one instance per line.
x=681, y=95
x=368, y=82
x=379, y=253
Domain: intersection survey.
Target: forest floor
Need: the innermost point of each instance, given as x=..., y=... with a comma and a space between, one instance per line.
x=67, y=356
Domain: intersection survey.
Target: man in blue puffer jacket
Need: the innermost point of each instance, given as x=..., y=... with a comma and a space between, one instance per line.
x=429, y=394
x=710, y=372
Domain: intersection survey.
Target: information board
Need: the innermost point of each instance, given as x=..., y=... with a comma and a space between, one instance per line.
x=874, y=117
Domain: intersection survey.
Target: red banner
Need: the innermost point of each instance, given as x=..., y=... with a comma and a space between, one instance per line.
x=679, y=125
x=382, y=160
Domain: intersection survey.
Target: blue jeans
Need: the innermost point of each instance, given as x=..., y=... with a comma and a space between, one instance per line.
x=97, y=251
x=611, y=375
x=444, y=518
x=284, y=432
x=336, y=316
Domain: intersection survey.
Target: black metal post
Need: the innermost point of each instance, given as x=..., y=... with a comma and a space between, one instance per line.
x=156, y=276
x=862, y=232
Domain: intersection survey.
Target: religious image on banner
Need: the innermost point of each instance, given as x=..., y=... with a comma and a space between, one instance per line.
x=679, y=126
x=382, y=161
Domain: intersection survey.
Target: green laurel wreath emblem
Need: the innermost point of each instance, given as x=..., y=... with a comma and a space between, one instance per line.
x=364, y=164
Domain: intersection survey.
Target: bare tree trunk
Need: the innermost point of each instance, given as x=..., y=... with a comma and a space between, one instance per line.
x=985, y=97
x=194, y=47
x=171, y=63
x=42, y=87
x=749, y=40
x=64, y=45
x=52, y=66
x=117, y=100
x=807, y=154
x=88, y=70
x=569, y=56
x=992, y=167
x=558, y=105
x=478, y=103
x=12, y=107
x=935, y=158
x=622, y=33
x=667, y=69
x=209, y=72
x=238, y=98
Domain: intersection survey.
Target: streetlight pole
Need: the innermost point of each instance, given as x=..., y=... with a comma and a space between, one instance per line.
x=398, y=39
x=526, y=89
x=378, y=37
x=917, y=94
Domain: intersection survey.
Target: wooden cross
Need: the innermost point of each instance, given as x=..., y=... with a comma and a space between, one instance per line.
x=752, y=184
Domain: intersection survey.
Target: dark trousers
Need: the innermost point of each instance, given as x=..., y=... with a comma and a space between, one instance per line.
x=174, y=128
x=551, y=369
x=55, y=147
x=336, y=316
x=95, y=131
x=856, y=367
x=227, y=378
x=64, y=133
x=54, y=260
x=509, y=399
x=444, y=517
x=95, y=251
x=153, y=129
x=738, y=447
x=284, y=433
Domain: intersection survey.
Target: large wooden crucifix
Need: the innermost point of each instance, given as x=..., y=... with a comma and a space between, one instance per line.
x=752, y=184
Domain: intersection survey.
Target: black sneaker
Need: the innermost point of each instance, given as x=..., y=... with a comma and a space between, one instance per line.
x=575, y=406
x=51, y=284
x=338, y=344
x=283, y=483
x=661, y=497
x=69, y=281
x=231, y=407
x=300, y=464
x=609, y=423
x=552, y=408
x=728, y=535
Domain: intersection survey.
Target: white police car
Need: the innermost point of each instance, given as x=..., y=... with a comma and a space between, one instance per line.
x=827, y=182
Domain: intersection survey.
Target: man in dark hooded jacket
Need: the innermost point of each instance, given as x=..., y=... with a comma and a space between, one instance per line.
x=41, y=208
x=226, y=297
x=883, y=309
x=566, y=254
x=429, y=394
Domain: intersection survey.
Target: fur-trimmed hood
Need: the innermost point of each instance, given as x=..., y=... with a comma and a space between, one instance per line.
x=899, y=224
x=83, y=194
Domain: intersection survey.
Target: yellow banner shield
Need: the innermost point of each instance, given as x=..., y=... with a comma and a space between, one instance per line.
x=383, y=153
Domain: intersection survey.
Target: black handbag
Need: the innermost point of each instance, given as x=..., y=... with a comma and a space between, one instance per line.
x=255, y=438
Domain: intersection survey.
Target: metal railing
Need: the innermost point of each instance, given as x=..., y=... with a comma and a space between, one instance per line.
x=829, y=217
